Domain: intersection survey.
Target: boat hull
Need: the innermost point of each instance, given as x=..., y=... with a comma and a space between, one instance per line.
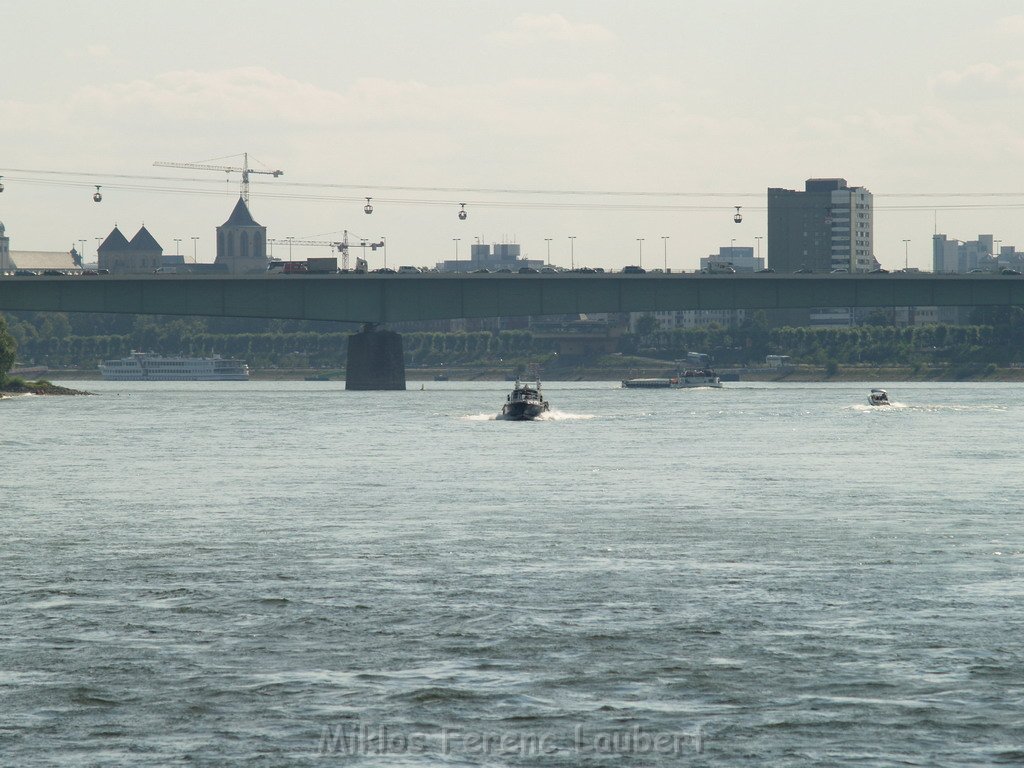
x=523, y=411
x=685, y=382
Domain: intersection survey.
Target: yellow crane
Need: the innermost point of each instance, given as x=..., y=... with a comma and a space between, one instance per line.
x=245, y=170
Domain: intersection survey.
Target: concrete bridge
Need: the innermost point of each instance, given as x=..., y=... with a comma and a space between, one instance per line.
x=375, y=359
x=384, y=298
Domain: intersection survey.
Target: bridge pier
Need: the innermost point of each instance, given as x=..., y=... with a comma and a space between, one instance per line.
x=375, y=360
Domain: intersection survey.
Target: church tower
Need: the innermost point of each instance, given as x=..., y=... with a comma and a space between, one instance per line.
x=242, y=243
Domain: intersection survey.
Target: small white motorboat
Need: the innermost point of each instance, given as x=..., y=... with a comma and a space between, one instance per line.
x=878, y=397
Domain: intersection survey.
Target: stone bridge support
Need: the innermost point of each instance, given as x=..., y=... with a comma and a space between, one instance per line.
x=375, y=360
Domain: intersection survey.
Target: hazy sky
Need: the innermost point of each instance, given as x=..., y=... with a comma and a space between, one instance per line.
x=692, y=107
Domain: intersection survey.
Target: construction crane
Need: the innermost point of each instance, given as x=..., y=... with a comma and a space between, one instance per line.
x=341, y=246
x=245, y=170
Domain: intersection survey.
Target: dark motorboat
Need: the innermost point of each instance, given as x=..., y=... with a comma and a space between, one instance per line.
x=524, y=403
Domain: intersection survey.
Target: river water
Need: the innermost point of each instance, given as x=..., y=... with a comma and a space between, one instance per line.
x=288, y=574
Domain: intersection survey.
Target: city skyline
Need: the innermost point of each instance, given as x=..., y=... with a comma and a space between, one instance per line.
x=525, y=115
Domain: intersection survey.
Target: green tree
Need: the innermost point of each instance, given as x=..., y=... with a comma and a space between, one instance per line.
x=8, y=349
x=645, y=326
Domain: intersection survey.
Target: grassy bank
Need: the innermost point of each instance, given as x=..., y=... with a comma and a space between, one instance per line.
x=16, y=386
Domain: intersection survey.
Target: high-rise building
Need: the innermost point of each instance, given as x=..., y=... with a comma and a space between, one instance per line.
x=963, y=256
x=828, y=226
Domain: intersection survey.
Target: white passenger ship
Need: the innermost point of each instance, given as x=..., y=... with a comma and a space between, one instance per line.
x=148, y=366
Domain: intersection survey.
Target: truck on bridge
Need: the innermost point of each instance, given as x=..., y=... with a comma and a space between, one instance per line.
x=326, y=265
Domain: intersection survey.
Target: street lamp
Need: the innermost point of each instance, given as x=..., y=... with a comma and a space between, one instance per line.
x=456, y=241
x=548, y=241
x=81, y=254
x=384, y=247
x=664, y=240
x=572, y=252
x=996, y=250
x=758, y=238
x=177, y=246
x=195, y=247
x=641, y=241
x=906, y=254
x=289, y=239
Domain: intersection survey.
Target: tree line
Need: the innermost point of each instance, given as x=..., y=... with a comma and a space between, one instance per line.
x=60, y=340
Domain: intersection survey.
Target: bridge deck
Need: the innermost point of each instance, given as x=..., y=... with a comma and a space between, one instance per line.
x=382, y=298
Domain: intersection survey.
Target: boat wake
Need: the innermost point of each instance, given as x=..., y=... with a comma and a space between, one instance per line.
x=924, y=407
x=563, y=416
x=546, y=416
x=892, y=405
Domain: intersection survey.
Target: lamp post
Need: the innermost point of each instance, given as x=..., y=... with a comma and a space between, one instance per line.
x=384, y=247
x=289, y=239
x=758, y=239
x=641, y=241
x=548, y=241
x=572, y=252
x=996, y=249
x=456, y=241
x=906, y=254
x=664, y=240
x=177, y=246
x=195, y=249
x=99, y=240
x=81, y=253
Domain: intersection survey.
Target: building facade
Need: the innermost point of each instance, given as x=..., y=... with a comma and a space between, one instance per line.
x=827, y=226
x=120, y=256
x=69, y=262
x=6, y=265
x=740, y=258
x=960, y=256
x=490, y=257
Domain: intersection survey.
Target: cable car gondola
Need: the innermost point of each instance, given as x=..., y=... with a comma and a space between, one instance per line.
x=462, y=213
x=368, y=209
x=738, y=217
x=96, y=196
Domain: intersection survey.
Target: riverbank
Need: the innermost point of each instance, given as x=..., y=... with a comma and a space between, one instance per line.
x=801, y=373
x=14, y=386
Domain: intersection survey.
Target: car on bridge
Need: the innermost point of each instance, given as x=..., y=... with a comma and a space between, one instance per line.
x=632, y=269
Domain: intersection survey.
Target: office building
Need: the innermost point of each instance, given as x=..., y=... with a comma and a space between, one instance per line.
x=827, y=226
